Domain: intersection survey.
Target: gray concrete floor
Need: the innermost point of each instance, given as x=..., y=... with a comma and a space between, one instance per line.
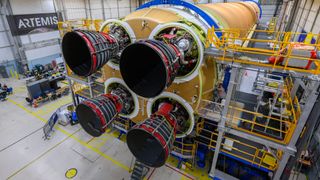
x=24, y=154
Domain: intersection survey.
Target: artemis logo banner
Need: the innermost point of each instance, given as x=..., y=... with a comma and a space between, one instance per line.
x=32, y=23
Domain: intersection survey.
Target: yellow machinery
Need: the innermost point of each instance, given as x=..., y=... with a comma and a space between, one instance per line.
x=199, y=77
x=272, y=25
x=161, y=67
x=88, y=24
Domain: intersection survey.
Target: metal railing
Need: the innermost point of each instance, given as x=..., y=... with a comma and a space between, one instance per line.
x=284, y=51
x=84, y=24
x=253, y=155
x=287, y=122
x=184, y=149
x=122, y=124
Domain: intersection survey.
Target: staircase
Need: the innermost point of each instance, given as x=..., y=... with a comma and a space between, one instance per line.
x=207, y=132
x=139, y=171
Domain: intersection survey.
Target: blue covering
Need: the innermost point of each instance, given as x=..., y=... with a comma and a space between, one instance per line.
x=303, y=36
x=48, y=127
x=226, y=79
x=246, y=162
x=185, y=4
x=258, y=6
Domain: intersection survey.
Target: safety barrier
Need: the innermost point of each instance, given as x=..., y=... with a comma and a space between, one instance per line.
x=260, y=158
x=281, y=52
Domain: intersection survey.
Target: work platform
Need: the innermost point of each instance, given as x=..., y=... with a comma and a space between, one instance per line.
x=260, y=127
x=286, y=54
x=241, y=126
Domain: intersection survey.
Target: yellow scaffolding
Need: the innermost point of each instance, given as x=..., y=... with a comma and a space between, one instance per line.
x=184, y=150
x=289, y=121
x=259, y=157
x=272, y=25
x=84, y=24
x=122, y=124
x=282, y=48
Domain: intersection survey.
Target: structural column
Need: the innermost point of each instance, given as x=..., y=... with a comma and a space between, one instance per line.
x=222, y=123
x=306, y=110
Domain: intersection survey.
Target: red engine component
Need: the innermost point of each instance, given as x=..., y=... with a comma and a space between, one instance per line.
x=96, y=114
x=151, y=141
x=313, y=54
x=85, y=52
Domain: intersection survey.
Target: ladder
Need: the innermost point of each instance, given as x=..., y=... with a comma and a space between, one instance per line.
x=139, y=171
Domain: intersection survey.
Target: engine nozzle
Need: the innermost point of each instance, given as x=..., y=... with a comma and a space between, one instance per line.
x=85, y=52
x=148, y=67
x=151, y=141
x=96, y=114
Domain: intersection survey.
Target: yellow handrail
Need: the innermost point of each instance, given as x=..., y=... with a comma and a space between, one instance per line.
x=254, y=158
x=229, y=42
x=289, y=122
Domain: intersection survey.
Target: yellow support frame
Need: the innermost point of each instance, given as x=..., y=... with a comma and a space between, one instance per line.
x=255, y=158
x=229, y=42
x=290, y=123
x=85, y=24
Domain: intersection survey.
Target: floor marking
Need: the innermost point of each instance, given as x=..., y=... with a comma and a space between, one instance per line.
x=71, y=173
x=20, y=139
x=83, y=156
x=34, y=160
x=151, y=173
x=180, y=172
x=94, y=138
x=83, y=143
x=104, y=141
x=90, y=140
x=50, y=108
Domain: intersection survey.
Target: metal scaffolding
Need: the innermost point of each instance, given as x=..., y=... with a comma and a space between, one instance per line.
x=294, y=91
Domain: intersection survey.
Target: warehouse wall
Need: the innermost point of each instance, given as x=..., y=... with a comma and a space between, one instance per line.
x=31, y=6
x=308, y=18
x=44, y=47
x=268, y=12
x=40, y=47
x=268, y=7
x=8, y=54
x=96, y=9
x=5, y=43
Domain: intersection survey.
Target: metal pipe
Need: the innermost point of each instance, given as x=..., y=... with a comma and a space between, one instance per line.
x=293, y=15
x=118, y=9
x=304, y=5
x=315, y=19
x=103, y=10
x=305, y=22
x=90, y=12
x=221, y=125
x=22, y=60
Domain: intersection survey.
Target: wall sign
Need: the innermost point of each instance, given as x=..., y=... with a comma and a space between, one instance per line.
x=32, y=23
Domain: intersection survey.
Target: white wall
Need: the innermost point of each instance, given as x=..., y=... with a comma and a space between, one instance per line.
x=308, y=18
x=33, y=38
x=34, y=7
x=267, y=12
x=42, y=52
x=77, y=9
x=6, y=46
